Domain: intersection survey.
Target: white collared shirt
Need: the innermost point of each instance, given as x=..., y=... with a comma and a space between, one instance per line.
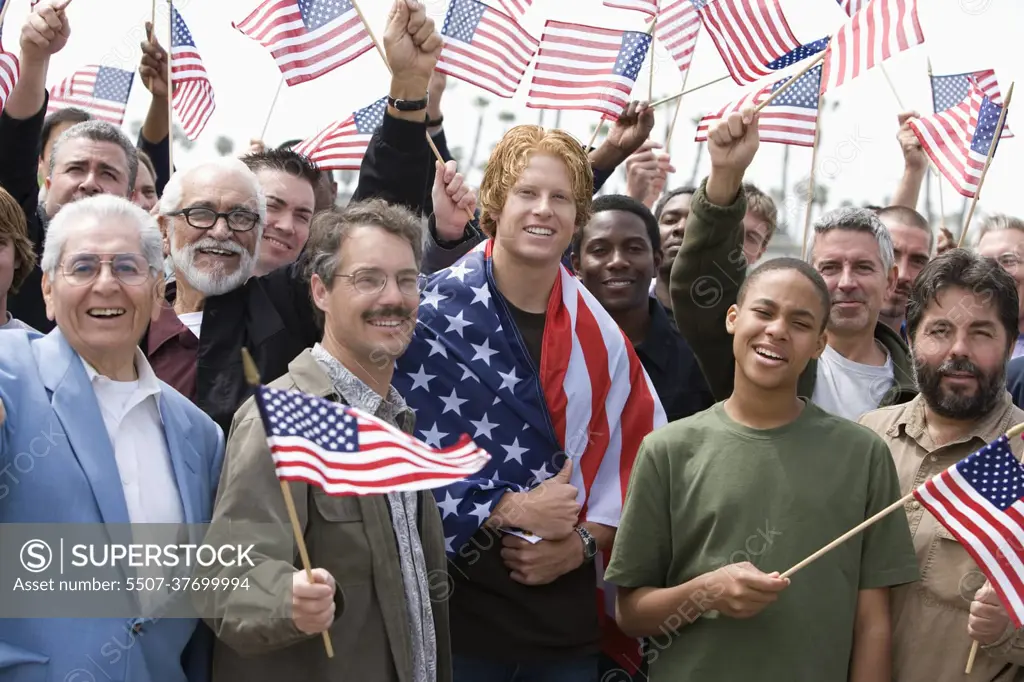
x=131, y=413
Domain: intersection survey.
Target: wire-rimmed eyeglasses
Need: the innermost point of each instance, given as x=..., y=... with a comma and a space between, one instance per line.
x=371, y=281
x=80, y=269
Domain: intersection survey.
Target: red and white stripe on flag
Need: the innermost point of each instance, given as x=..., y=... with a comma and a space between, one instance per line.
x=307, y=40
x=678, y=28
x=749, y=34
x=851, y=7
x=9, y=70
x=485, y=47
x=881, y=29
x=342, y=145
x=648, y=7
x=194, y=104
x=947, y=138
x=514, y=8
x=101, y=91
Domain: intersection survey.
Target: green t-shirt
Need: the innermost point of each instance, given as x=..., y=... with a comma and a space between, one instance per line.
x=706, y=492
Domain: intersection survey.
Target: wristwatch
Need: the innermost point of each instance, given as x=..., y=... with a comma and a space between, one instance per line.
x=408, y=104
x=589, y=543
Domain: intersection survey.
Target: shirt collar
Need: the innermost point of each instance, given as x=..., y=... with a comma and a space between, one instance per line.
x=393, y=409
x=168, y=326
x=994, y=424
x=148, y=382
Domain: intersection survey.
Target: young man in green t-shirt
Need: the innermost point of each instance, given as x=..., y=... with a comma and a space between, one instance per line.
x=720, y=503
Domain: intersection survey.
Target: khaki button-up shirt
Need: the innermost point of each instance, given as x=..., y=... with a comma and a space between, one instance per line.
x=930, y=640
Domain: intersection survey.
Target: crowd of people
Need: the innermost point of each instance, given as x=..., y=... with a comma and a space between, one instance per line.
x=673, y=420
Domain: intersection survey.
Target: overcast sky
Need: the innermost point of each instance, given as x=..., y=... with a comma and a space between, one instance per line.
x=858, y=158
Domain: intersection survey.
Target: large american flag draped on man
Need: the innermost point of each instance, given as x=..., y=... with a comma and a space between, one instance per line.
x=979, y=499
x=307, y=38
x=958, y=139
x=100, y=90
x=467, y=371
x=193, y=92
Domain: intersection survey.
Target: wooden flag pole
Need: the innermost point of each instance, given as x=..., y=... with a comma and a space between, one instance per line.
x=899, y=102
x=676, y=96
x=810, y=65
x=679, y=101
x=270, y=113
x=252, y=376
x=988, y=162
x=152, y=34
x=650, y=80
x=810, y=181
x=384, y=58
x=933, y=169
x=170, y=87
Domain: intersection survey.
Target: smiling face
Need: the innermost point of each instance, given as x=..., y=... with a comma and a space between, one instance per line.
x=217, y=260
x=537, y=221
x=616, y=261
x=291, y=202
x=83, y=168
x=106, y=318
x=851, y=265
x=960, y=350
x=777, y=329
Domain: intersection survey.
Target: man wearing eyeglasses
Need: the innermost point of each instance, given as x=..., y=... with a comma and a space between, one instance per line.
x=97, y=438
x=378, y=561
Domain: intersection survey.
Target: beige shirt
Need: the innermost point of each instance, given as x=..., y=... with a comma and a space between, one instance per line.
x=930, y=640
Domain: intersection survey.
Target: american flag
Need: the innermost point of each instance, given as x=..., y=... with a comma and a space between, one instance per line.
x=101, y=90
x=342, y=145
x=648, y=7
x=467, y=371
x=346, y=451
x=485, y=47
x=749, y=34
x=879, y=30
x=958, y=139
x=583, y=67
x=851, y=7
x=9, y=67
x=308, y=38
x=514, y=8
x=949, y=91
x=978, y=500
x=678, y=28
x=193, y=93
x=790, y=118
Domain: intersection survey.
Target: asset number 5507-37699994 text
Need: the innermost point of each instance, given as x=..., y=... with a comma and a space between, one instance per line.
x=182, y=584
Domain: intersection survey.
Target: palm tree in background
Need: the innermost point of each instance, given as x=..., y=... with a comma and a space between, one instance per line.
x=507, y=118
x=181, y=139
x=480, y=103
x=224, y=145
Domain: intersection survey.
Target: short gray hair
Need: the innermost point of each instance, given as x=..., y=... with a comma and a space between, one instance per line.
x=170, y=200
x=856, y=220
x=998, y=222
x=99, y=131
x=102, y=207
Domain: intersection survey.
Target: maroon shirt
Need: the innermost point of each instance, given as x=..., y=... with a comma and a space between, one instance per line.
x=173, y=352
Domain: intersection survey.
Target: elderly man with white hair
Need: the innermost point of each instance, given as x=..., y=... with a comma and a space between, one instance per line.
x=120, y=446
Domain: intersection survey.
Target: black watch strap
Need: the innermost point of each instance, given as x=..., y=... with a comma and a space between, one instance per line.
x=589, y=543
x=408, y=104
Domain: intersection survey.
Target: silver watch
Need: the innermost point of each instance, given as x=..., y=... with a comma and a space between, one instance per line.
x=589, y=543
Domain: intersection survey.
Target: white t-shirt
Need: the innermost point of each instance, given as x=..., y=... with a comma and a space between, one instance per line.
x=850, y=389
x=194, y=321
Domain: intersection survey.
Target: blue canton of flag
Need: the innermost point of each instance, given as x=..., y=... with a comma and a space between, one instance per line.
x=949, y=91
x=798, y=55
x=988, y=119
x=462, y=19
x=632, y=55
x=317, y=13
x=993, y=471
x=113, y=84
x=180, y=35
x=368, y=119
x=804, y=92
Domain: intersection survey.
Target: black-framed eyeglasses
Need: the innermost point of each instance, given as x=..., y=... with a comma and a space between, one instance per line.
x=80, y=269
x=202, y=218
x=371, y=281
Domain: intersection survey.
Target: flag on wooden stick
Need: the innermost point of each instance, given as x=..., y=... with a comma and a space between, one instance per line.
x=342, y=145
x=948, y=91
x=308, y=38
x=677, y=29
x=193, y=92
x=749, y=34
x=100, y=90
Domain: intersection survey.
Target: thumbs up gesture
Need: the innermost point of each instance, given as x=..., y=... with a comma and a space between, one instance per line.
x=551, y=509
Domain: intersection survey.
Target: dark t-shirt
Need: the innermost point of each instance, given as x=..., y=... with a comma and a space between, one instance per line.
x=496, y=618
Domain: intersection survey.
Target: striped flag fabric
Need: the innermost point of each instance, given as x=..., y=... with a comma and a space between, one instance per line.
x=648, y=7
x=346, y=451
x=585, y=67
x=100, y=90
x=979, y=500
x=948, y=91
x=193, y=92
x=791, y=118
x=467, y=370
x=749, y=34
x=342, y=145
x=851, y=7
x=677, y=29
x=879, y=30
x=9, y=72
x=485, y=47
x=958, y=139
x=308, y=38
x=514, y=8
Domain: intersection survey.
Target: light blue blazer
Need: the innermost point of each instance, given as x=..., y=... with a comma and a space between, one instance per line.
x=53, y=414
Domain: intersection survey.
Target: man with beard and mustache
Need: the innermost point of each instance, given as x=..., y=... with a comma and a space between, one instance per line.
x=865, y=364
x=378, y=560
x=912, y=245
x=962, y=325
